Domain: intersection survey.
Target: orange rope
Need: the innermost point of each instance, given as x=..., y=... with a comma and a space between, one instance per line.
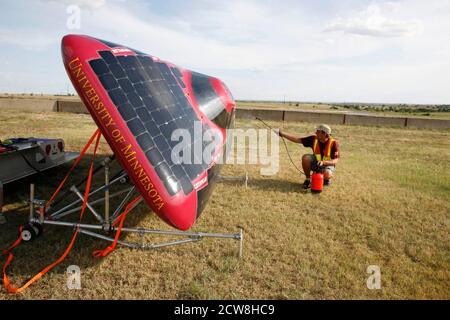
x=86, y=147
x=109, y=249
x=8, y=251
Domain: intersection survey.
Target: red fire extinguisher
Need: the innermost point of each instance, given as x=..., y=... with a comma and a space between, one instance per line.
x=317, y=180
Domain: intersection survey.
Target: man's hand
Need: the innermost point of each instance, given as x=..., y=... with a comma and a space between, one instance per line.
x=320, y=163
x=290, y=137
x=277, y=132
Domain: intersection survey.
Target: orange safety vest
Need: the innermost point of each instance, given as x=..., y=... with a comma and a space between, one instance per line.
x=326, y=152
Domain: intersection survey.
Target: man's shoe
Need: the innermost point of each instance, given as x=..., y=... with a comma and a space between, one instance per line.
x=307, y=184
x=326, y=182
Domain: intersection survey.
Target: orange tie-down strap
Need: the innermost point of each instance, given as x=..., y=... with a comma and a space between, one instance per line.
x=86, y=147
x=9, y=287
x=121, y=219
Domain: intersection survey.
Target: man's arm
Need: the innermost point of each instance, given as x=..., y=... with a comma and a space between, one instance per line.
x=290, y=137
x=331, y=162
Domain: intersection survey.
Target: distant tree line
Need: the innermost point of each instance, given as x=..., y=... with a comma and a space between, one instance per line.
x=403, y=108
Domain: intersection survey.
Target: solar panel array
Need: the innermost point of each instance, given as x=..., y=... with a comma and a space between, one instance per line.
x=149, y=97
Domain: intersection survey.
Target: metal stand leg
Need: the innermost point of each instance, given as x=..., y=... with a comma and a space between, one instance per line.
x=2, y=216
x=31, y=201
x=106, y=221
x=234, y=178
x=187, y=236
x=241, y=242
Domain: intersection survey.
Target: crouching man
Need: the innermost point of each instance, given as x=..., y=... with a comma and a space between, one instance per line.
x=325, y=153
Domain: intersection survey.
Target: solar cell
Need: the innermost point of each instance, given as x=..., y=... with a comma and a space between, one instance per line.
x=163, y=170
x=152, y=128
x=172, y=185
x=126, y=85
x=126, y=111
x=154, y=156
x=161, y=142
x=186, y=184
x=145, y=141
x=136, y=126
x=117, y=96
x=117, y=70
x=108, y=81
x=143, y=114
x=135, y=100
x=99, y=67
x=108, y=57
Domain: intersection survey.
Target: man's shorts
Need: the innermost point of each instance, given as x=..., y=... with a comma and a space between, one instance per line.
x=331, y=169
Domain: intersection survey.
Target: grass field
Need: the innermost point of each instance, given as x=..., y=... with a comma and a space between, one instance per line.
x=388, y=206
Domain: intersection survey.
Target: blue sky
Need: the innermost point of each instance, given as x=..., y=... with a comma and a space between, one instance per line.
x=330, y=51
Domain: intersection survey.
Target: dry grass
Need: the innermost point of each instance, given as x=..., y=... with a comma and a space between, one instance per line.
x=38, y=96
x=389, y=206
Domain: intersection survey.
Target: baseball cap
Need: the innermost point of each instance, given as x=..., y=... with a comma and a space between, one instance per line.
x=323, y=127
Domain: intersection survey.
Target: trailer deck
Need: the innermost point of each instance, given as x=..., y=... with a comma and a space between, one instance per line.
x=22, y=157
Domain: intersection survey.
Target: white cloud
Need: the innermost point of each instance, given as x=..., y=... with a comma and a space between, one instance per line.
x=192, y=49
x=265, y=50
x=373, y=22
x=28, y=39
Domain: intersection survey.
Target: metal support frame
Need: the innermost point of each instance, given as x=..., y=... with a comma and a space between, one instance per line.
x=235, y=178
x=2, y=216
x=105, y=226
